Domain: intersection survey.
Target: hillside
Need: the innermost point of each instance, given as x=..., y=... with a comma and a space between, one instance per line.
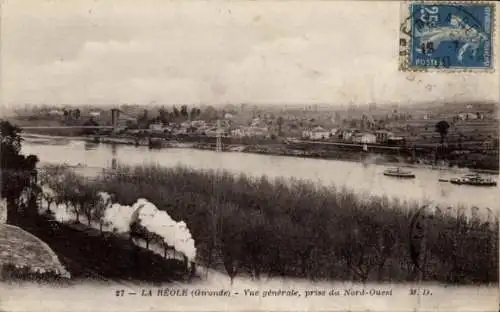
x=88, y=255
x=24, y=250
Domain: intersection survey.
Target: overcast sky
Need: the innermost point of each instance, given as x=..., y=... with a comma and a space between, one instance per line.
x=173, y=52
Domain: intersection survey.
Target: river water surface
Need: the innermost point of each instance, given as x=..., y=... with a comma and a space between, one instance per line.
x=362, y=178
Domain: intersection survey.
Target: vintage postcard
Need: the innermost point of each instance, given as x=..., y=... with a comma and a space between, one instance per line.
x=249, y=156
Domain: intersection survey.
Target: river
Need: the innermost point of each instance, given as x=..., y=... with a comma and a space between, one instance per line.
x=362, y=178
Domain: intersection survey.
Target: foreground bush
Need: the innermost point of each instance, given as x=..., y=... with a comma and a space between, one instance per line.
x=10, y=272
x=298, y=229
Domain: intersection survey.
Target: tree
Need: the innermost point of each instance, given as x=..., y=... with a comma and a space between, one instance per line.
x=18, y=172
x=280, y=125
x=194, y=112
x=164, y=116
x=88, y=201
x=102, y=204
x=76, y=113
x=49, y=197
x=231, y=239
x=367, y=247
x=70, y=193
x=442, y=128
x=175, y=112
x=143, y=121
x=254, y=235
x=184, y=111
x=137, y=230
x=90, y=123
x=166, y=247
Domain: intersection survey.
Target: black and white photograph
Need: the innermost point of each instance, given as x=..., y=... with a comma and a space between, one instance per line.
x=249, y=156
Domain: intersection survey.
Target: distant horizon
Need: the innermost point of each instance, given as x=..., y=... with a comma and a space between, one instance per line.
x=270, y=107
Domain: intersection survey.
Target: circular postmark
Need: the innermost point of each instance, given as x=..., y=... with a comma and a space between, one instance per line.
x=443, y=35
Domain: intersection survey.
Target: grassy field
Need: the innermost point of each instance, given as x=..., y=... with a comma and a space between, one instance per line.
x=469, y=131
x=297, y=229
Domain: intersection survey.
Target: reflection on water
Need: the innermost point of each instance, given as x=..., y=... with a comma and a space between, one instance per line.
x=113, y=157
x=90, y=146
x=363, y=178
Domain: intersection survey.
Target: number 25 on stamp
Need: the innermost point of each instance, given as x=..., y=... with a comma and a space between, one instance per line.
x=447, y=36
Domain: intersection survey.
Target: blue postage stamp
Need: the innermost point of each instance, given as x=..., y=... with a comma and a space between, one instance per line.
x=444, y=35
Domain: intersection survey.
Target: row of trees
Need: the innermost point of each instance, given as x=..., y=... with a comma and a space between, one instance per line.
x=79, y=198
x=293, y=228
x=245, y=239
x=184, y=113
x=165, y=116
x=72, y=113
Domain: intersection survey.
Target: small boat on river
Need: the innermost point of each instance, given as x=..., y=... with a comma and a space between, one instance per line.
x=474, y=179
x=399, y=173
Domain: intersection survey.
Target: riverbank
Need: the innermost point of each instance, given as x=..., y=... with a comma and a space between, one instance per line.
x=267, y=149
x=315, y=232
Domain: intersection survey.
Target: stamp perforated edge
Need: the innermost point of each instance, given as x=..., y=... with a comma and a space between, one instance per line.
x=405, y=29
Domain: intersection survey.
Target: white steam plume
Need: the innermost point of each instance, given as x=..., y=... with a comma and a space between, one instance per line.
x=118, y=218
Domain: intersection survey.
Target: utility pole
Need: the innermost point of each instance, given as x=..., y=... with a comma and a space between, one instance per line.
x=218, y=147
x=115, y=113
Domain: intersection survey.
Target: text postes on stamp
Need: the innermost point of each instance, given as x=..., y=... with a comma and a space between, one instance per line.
x=447, y=36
